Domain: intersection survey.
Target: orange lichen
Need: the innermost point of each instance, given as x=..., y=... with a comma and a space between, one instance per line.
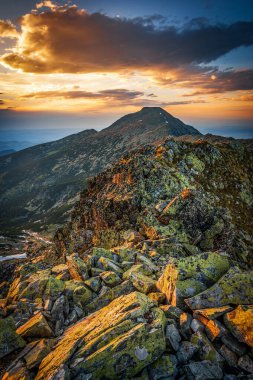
x=160, y=151
x=185, y=193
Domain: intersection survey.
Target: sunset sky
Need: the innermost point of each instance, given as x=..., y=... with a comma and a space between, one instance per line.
x=85, y=63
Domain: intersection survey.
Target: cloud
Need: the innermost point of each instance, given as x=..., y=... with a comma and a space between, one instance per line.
x=7, y=29
x=1, y=102
x=112, y=97
x=113, y=94
x=222, y=81
x=69, y=40
x=184, y=102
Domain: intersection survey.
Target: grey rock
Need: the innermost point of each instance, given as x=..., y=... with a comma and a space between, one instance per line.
x=204, y=370
x=233, y=344
x=186, y=351
x=196, y=325
x=230, y=357
x=173, y=336
x=246, y=363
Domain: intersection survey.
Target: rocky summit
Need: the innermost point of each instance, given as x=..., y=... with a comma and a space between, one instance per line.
x=150, y=279
x=39, y=185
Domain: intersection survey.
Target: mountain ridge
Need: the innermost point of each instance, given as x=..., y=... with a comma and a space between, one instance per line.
x=40, y=184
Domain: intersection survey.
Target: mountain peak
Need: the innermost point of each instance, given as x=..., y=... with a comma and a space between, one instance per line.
x=151, y=119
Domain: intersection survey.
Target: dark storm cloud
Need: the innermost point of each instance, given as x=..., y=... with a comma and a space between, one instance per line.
x=69, y=40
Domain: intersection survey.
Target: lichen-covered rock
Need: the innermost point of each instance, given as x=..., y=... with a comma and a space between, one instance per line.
x=163, y=368
x=54, y=287
x=213, y=312
x=235, y=287
x=110, y=278
x=94, y=283
x=137, y=268
x=142, y=283
x=116, y=342
x=36, y=327
x=9, y=339
x=191, y=275
x=78, y=292
x=206, y=349
x=157, y=297
x=240, y=323
x=61, y=272
x=36, y=285
x=109, y=265
x=109, y=295
x=77, y=267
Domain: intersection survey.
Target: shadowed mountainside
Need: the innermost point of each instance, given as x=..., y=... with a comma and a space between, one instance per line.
x=40, y=184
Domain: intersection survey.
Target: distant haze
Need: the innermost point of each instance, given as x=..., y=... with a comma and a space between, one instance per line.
x=19, y=130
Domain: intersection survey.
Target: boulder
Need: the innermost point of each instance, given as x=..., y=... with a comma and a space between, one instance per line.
x=108, y=295
x=213, y=312
x=77, y=268
x=78, y=293
x=118, y=341
x=109, y=265
x=94, y=283
x=142, y=283
x=240, y=323
x=9, y=339
x=246, y=363
x=54, y=287
x=204, y=370
x=206, y=349
x=36, y=285
x=163, y=368
x=110, y=278
x=17, y=372
x=235, y=287
x=35, y=327
x=137, y=268
x=173, y=336
x=233, y=344
x=36, y=351
x=186, y=351
x=191, y=275
x=230, y=357
x=158, y=297
x=61, y=272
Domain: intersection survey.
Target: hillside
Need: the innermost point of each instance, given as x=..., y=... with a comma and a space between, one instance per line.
x=149, y=280
x=40, y=184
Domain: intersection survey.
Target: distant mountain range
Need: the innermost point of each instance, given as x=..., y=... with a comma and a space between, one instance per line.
x=40, y=184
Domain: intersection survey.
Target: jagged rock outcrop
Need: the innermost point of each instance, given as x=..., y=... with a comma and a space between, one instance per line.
x=190, y=197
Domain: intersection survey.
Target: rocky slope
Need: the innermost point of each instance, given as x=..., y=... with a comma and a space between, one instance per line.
x=39, y=185
x=150, y=280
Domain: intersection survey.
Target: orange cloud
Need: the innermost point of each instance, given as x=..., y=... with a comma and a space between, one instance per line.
x=65, y=39
x=7, y=29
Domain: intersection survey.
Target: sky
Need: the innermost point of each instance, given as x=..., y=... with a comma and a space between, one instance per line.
x=70, y=65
